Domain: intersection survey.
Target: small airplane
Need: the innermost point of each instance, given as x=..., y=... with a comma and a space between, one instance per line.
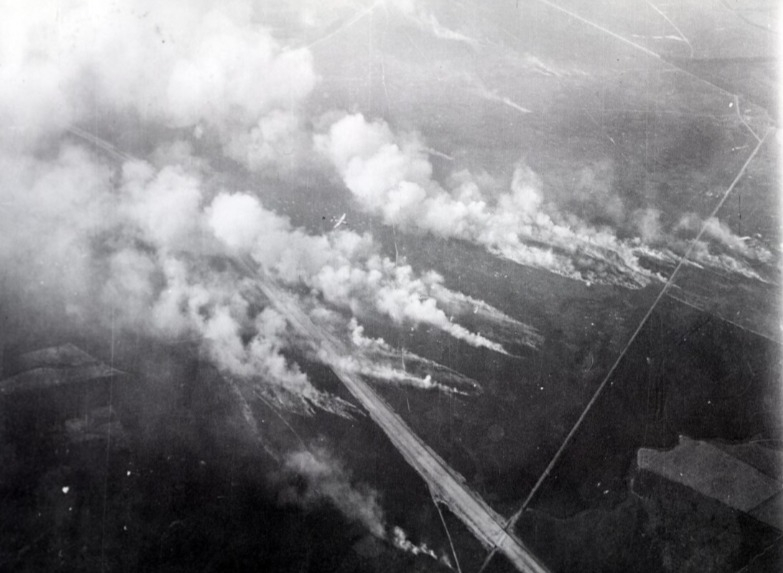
x=340, y=221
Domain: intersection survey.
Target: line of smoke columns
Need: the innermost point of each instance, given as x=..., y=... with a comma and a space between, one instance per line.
x=253, y=124
x=113, y=236
x=390, y=175
x=334, y=492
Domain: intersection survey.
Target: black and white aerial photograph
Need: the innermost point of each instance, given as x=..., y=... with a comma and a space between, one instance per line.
x=390, y=286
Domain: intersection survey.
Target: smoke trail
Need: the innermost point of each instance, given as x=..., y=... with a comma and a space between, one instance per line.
x=177, y=68
x=150, y=271
x=719, y=249
x=326, y=478
x=145, y=244
x=374, y=358
x=493, y=95
x=385, y=372
x=391, y=176
x=342, y=266
x=457, y=303
x=401, y=541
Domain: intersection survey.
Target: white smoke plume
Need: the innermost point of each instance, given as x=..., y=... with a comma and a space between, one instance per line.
x=457, y=303
x=390, y=176
x=121, y=245
x=386, y=372
x=326, y=478
x=401, y=541
x=724, y=238
x=162, y=211
x=179, y=64
x=376, y=359
x=341, y=266
x=144, y=244
x=719, y=248
x=129, y=243
x=429, y=23
x=134, y=239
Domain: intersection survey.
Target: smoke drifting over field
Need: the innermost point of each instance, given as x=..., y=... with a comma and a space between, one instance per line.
x=390, y=175
x=146, y=244
x=137, y=243
x=130, y=236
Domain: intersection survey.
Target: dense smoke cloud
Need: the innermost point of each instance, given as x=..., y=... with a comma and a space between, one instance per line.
x=148, y=244
x=134, y=239
x=390, y=176
x=179, y=65
x=728, y=245
x=124, y=246
x=342, y=266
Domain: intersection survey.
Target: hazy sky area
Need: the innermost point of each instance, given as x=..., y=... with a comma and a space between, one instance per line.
x=493, y=212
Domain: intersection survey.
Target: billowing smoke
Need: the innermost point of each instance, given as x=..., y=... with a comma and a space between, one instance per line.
x=134, y=243
x=142, y=233
x=401, y=541
x=129, y=244
x=180, y=65
x=718, y=248
x=390, y=176
x=343, y=266
x=148, y=244
x=724, y=239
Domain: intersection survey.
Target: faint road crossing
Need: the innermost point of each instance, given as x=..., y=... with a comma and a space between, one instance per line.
x=445, y=484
